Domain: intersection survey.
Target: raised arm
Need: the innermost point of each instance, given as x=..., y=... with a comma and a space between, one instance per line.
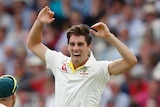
x=34, y=39
x=128, y=59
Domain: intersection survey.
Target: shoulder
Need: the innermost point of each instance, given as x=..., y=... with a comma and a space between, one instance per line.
x=51, y=53
x=100, y=64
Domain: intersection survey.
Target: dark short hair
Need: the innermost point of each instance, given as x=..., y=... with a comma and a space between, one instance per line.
x=80, y=30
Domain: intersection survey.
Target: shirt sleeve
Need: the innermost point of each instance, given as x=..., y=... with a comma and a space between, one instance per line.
x=52, y=58
x=103, y=73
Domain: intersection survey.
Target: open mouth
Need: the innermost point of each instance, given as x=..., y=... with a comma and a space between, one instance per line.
x=76, y=54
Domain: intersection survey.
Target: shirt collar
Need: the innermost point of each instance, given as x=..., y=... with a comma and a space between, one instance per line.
x=90, y=61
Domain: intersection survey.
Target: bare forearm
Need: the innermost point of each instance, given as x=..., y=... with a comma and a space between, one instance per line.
x=123, y=49
x=128, y=60
x=34, y=37
x=34, y=41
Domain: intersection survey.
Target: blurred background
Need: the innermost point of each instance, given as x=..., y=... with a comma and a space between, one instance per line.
x=135, y=22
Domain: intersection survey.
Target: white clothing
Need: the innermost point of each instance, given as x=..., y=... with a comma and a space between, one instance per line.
x=50, y=101
x=1, y=105
x=82, y=88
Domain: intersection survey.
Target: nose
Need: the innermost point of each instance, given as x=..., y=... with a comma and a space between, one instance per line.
x=76, y=47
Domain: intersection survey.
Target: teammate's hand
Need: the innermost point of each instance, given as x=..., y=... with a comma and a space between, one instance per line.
x=46, y=15
x=100, y=30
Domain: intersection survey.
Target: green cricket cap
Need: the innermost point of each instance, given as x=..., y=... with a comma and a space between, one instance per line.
x=8, y=86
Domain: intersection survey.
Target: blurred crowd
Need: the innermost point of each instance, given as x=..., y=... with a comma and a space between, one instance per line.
x=135, y=22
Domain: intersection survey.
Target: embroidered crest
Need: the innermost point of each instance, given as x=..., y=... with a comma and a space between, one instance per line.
x=83, y=74
x=64, y=69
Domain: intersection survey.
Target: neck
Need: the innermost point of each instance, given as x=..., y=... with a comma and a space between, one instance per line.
x=9, y=101
x=6, y=103
x=78, y=65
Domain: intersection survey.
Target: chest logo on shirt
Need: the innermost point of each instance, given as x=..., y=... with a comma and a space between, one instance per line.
x=83, y=74
x=64, y=69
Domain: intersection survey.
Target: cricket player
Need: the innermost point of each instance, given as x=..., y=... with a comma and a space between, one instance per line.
x=79, y=79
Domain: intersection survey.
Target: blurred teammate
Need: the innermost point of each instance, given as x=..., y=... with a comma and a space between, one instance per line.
x=79, y=79
x=8, y=87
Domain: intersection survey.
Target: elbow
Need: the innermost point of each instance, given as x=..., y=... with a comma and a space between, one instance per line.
x=133, y=61
x=28, y=44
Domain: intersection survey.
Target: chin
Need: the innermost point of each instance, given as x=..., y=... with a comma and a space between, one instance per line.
x=76, y=60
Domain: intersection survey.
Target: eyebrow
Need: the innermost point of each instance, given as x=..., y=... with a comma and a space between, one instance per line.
x=79, y=43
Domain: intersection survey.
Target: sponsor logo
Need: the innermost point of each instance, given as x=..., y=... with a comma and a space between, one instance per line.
x=83, y=74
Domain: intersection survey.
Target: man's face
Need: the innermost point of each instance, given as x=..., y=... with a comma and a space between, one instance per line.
x=78, y=49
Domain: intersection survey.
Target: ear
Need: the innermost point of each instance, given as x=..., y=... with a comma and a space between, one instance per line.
x=13, y=97
x=89, y=47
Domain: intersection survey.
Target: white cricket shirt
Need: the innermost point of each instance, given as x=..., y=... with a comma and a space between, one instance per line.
x=82, y=88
